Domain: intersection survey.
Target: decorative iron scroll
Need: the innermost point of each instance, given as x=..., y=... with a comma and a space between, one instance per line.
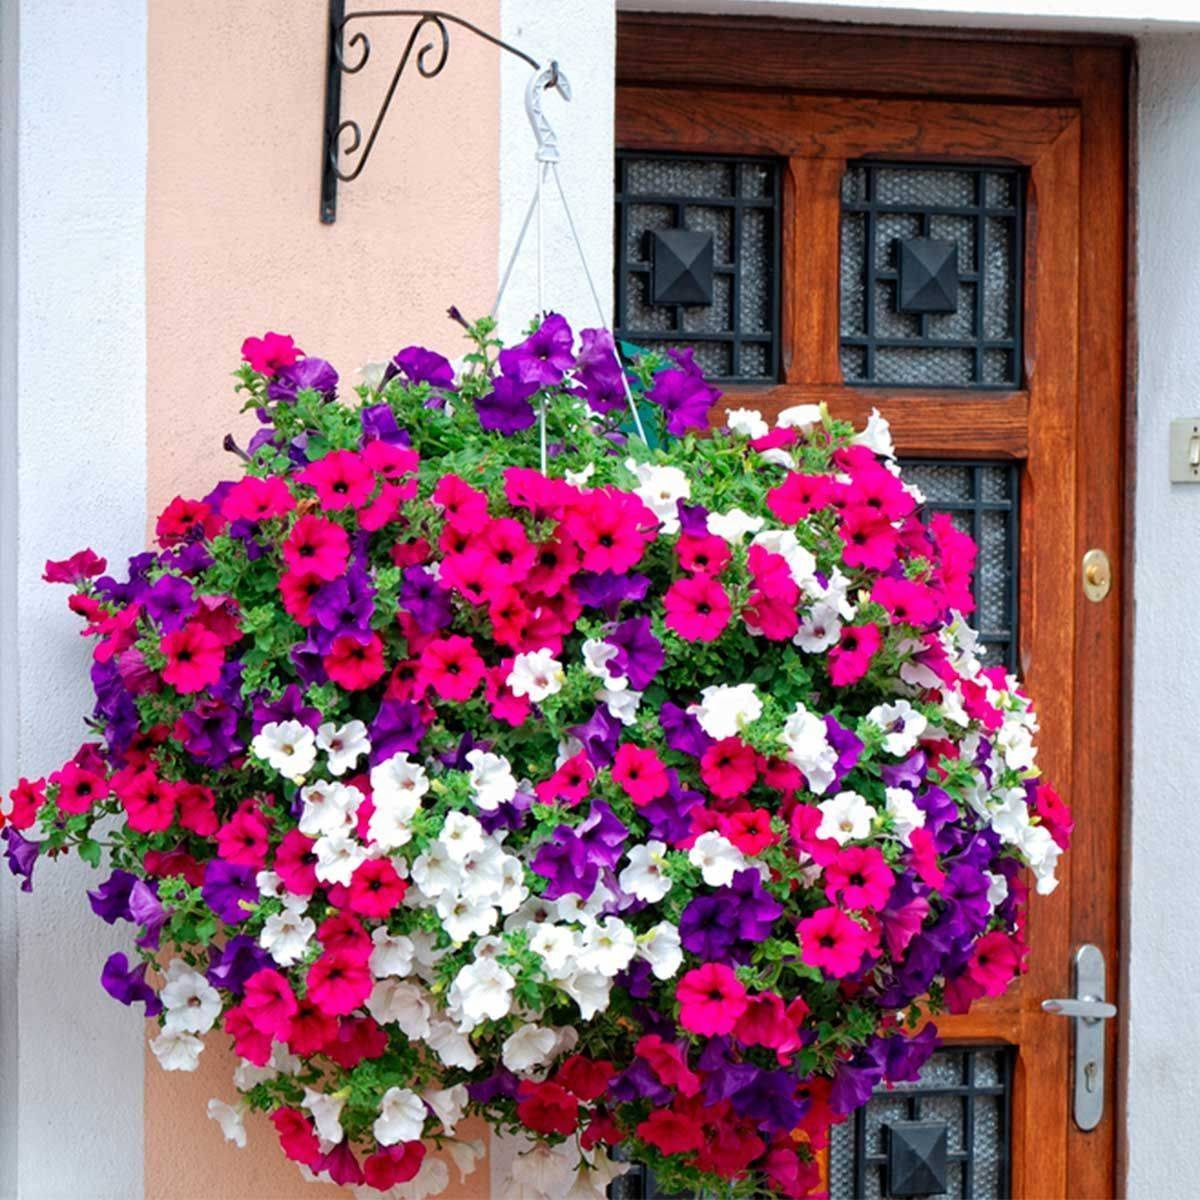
x=344, y=151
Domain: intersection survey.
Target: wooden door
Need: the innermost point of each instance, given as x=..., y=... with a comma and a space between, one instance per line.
x=1009, y=396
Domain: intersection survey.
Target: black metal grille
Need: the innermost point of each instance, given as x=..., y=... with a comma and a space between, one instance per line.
x=892, y=333
x=983, y=499
x=736, y=202
x=969, y=1090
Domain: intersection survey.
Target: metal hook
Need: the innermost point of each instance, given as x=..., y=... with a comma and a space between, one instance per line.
x=542, y=81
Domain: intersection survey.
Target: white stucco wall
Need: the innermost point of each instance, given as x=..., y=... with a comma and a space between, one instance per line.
x=72, y=359
x=1164, y=972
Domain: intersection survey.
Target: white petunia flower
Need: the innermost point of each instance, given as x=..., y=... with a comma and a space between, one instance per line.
x=845, y=818
x=285, y=935
x=997, y=891
x=435, y=872
x=905, y=814
x=607, y=947
x=326, y=1113
x=287, y=746
x=578, y=479
x=462, y=835
x=482, y=991
x=597, y=654
x=622, y=705
x=401, y=1117
x=555, y=945
x=589, y=989
x=329, y=808
x=343, y=744
x=661, y=489
x=431, y=1180
x=448, y=1104
x=733, y=525
x=464, y=917
x=192, y=1003
x=466, y=1155
x=338, y=857
x=452, y=1046
x=808, y=749
x=393, y=954
x=176, y=1050
x=394, y=1002
x=726, y=709
x=399, y=781
x=646, y=874
x=390, y=827
x=230, y=1120
x=661, y=948
x=269, y=885
x=531, y=1046
x=492, y=781
x=544, y=1172
x=536, y=674
x=819, y=630
x=593, y=1175
x=902, y=725
x=799, y=416
x=717, y=857
x=748, y=422
x=876, y=436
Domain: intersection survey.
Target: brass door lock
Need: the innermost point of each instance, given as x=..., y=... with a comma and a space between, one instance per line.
x=1097, y=575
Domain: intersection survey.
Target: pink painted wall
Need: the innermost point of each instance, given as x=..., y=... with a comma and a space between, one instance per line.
x=234, y=247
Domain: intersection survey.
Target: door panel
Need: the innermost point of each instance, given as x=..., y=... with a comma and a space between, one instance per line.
x=1027, y=449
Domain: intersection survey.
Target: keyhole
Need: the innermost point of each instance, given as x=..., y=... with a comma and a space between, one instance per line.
x=1089, y=1076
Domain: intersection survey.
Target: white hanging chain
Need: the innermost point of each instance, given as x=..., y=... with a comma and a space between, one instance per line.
x=547, y=158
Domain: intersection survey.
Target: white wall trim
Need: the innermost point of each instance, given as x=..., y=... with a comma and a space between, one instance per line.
x=73, y=358
x=581, y=36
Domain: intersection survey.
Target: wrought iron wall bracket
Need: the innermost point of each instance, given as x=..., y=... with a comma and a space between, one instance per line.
x=344, y=152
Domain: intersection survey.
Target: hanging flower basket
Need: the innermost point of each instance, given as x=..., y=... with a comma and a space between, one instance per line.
x=647, y=804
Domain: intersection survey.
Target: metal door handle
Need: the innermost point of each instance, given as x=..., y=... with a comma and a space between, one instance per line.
x=1087, y=1011
x=1088, y=1008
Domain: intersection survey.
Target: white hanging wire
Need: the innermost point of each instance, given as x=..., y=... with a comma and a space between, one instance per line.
x=547, y=158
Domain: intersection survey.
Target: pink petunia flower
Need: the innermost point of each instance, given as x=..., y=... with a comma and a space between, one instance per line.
x=269, y=1003
x=612, y=529
x=269, y=353
x=341, y=480
x=86, y=564
x=859, y=878
x=697, y=608
x=353, y=663
x=850, y=658
x=640, y=773
x=451, y=668
x=338, y=982
x=253, y=499
x=244, y=839
x=833, y=942
x=711, y=1000
x=317, y=546
x=729, y=768
x=194, y=658
x=78, y=789
x=375, y=888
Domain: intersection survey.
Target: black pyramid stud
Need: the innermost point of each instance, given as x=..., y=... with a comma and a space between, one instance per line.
x=683, y=266
x=928, y=276
x=916, y=1158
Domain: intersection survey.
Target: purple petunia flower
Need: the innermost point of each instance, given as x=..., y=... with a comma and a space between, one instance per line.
x=415, y=364
x=603, y=835
x=598, y=371
x=683, y=731
x=425, y=600
x=169, y=602
x=754, y=910
x=379, y=425
x=289, y=707
x=543, y=356
x=232, y=964
x=211, y=732
x=907, y=774
x=607, y=591
x=564, y=863
x=227, y=889
x=638, y=1081
x=693, y=519
x=599, y=735
x=506, y=408
x=502, y=1083
x=848, y=748
x=128, y=985
x=639, y=654
x=769, y=1099
x=708, y=928
x=21, y=854
x=684, y=398
x=305, y=374
x=397, y=726
x=110, y=901
x=855, y=1080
